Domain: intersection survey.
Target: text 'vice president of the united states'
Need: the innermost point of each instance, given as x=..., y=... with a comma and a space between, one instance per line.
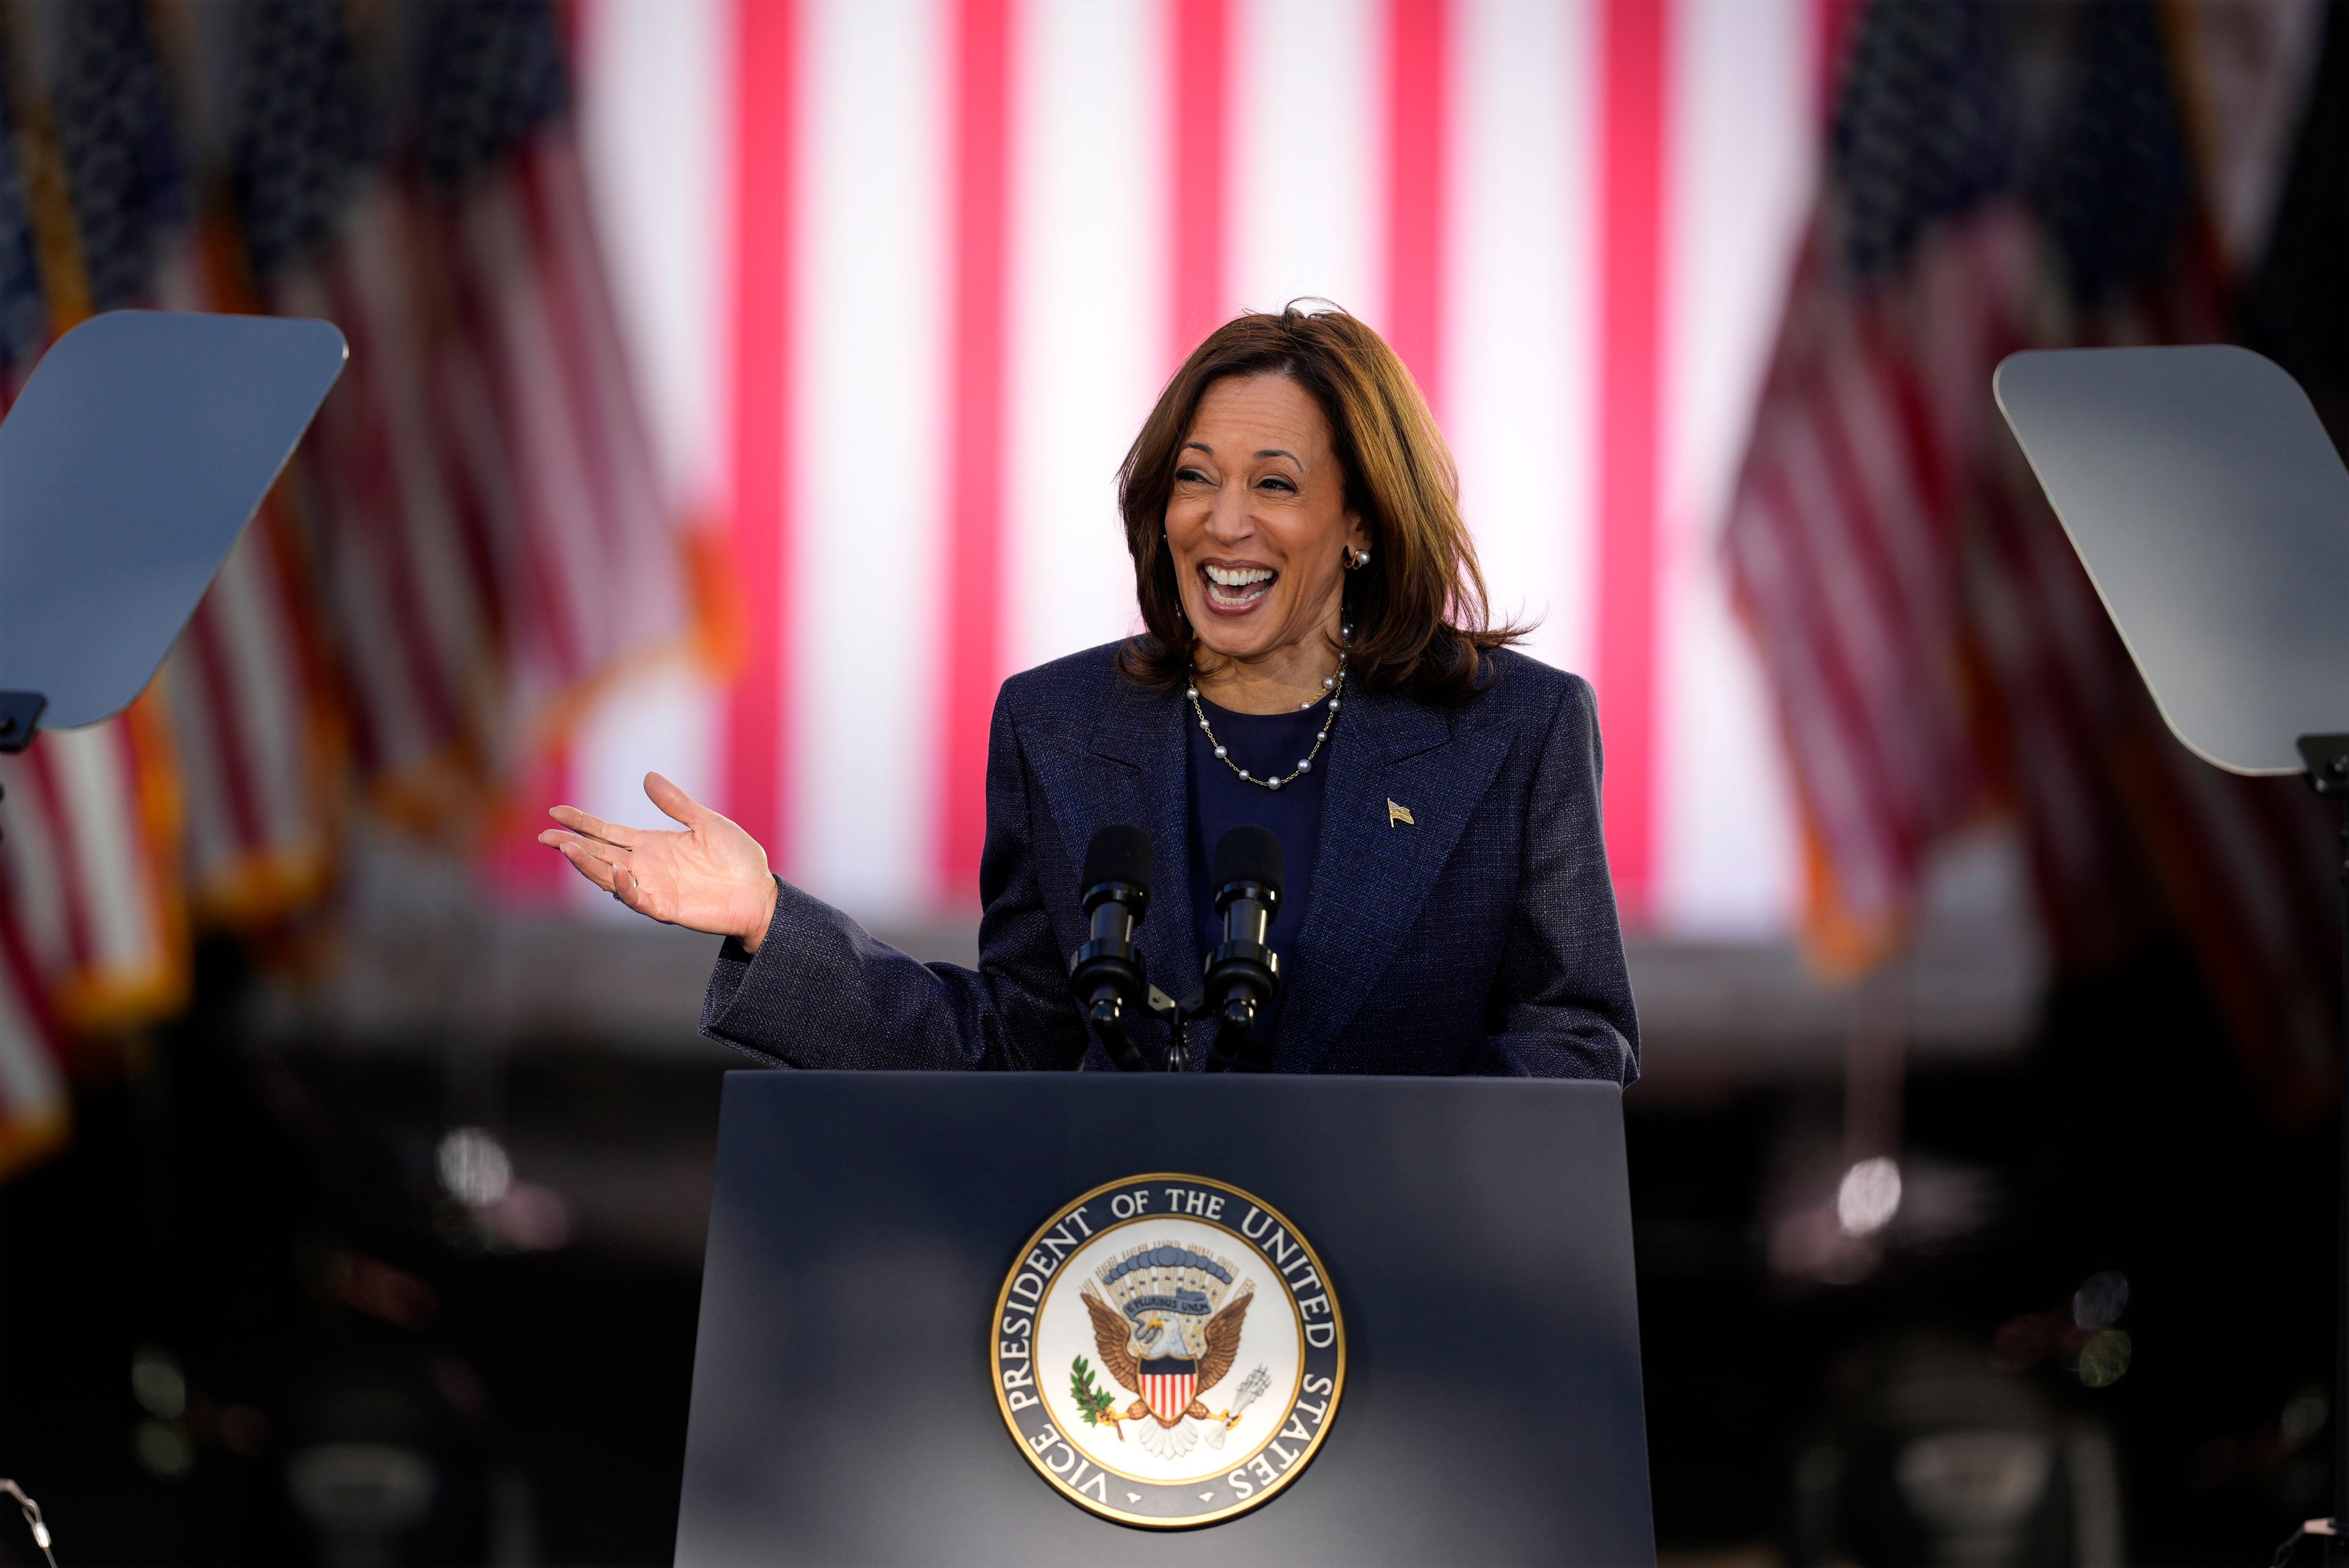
x=1318, y=659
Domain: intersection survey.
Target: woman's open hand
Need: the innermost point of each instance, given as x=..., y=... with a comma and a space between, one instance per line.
x=709, y=876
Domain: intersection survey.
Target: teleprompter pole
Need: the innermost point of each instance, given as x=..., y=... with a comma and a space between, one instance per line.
x=2326, y=758
x=2340, y=1350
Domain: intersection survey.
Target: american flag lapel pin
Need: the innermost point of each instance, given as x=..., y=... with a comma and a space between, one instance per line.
x=1399, y=815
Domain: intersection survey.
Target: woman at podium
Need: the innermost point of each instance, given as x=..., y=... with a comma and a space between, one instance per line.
x=1319, y=661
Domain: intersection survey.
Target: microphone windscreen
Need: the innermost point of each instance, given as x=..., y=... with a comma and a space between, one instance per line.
x=1119, y=853
x=1248, y=855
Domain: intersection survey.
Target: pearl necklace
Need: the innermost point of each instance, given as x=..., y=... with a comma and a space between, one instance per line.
x=1335, y=685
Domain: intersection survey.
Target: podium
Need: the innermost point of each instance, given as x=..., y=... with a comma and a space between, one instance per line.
x=1315, y=1320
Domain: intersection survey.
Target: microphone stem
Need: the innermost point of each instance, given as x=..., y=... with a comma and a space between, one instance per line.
x=1107, y=1016
x=1112, y=922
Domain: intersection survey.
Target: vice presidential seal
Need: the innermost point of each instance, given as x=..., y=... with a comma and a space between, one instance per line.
x=1167, y=1351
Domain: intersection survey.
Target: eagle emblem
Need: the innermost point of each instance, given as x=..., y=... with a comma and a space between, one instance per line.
x=1167, y=1350
x=1167, y=1335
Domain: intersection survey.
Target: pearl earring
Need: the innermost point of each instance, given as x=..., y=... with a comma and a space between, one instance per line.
x=1357, y=559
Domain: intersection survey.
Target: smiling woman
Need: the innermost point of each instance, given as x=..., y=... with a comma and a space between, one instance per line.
x=1258, y=539
x=1293, y=522
x=1301, y=435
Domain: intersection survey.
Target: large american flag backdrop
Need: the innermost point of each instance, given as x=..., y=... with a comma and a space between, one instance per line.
x=903, y=278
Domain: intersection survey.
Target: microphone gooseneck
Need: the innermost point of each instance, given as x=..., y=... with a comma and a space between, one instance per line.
x=1243, y=972
x=1106, y=974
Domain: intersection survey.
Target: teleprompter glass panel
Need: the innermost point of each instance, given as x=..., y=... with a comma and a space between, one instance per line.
x=134, y=457
x=2212, y=515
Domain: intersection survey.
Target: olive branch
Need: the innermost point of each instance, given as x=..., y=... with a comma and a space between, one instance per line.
x=1092, y=1400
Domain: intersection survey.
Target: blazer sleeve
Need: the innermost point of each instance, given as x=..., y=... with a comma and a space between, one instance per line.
x=821, y=992
x=1561, y=1001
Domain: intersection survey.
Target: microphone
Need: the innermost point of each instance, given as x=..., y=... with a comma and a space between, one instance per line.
x=1105, y=973
x=1243, y=972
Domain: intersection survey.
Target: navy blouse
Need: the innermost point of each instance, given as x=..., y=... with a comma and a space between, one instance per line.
x=1269, y=745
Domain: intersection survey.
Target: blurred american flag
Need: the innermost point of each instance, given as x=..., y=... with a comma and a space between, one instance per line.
x=907, y=275
x=90, y=927
x=472, y=540
x=1937, y=651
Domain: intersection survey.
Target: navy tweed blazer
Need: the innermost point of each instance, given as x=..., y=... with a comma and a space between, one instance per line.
x=1479, y=938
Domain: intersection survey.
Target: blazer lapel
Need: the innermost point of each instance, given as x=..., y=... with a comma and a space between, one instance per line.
x=1376, y=864
x=1131, y=769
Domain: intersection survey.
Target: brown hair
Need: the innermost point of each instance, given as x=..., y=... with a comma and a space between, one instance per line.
x=1419, y=611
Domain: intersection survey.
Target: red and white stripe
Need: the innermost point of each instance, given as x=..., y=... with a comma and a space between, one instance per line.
x=1168, y=1393
x=595, y=576
x=248, y=737
x=1843, y=541
x=492, y=531
x=33, y=1107
x=249, y=712
x=405, y=465
x=964, y=241
x=88, y=888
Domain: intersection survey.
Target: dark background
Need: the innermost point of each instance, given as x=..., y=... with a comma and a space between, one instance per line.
x=259, y=1207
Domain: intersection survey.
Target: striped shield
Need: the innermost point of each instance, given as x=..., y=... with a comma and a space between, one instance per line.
x=1167, y=1385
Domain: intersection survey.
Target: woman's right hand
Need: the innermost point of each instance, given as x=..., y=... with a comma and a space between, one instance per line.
x=708, y=876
